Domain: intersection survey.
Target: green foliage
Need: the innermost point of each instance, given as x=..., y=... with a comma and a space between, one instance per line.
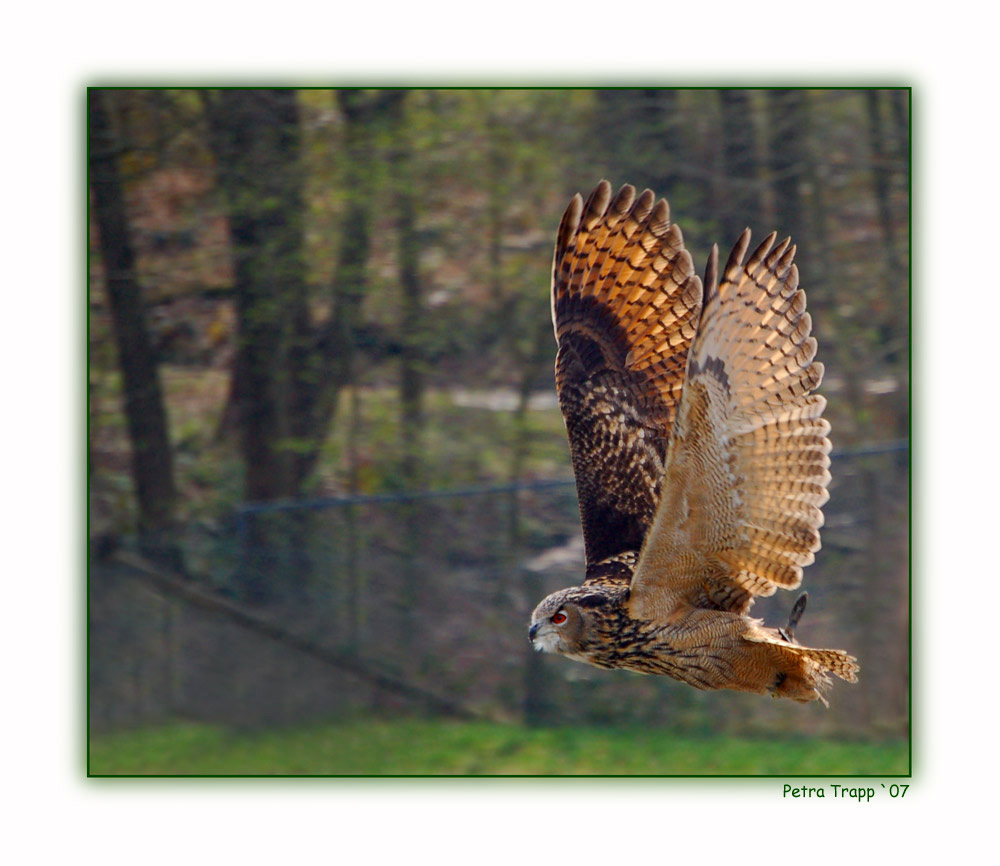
x=371, y=747
x=491, y=172
x=479, y=453
x=488, y=174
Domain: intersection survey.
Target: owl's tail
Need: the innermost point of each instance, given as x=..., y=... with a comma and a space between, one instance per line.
x=802, y=673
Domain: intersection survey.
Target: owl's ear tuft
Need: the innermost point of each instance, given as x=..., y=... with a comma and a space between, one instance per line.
x=594, y=600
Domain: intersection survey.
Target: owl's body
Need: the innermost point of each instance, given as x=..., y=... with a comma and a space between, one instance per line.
x=708, y=649
x=699, y=450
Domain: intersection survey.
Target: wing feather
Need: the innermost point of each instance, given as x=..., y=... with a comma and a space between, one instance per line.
x=747, y=468
x=625, y=303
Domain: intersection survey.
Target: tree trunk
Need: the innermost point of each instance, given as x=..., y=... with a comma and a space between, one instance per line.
x=741, y=199
x=636, y=128
x=665, y=175
x=330, y=363
x=411, y=337
x=787, y=125
x=535, y=706
x=256, y=140
x=255, y=135
x=901, y=126
x=152, y=465
x=410, y=329
x=882, y=179
x=895, y=271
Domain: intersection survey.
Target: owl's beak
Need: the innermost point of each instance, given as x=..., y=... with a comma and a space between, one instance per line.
x=532, y=632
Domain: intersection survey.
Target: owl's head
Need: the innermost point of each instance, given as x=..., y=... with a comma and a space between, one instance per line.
x=573, y=622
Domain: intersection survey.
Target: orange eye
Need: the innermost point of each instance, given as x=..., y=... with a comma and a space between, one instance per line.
x=559, y=618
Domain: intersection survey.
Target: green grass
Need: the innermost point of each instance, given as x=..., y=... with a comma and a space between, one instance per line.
x=372, y=747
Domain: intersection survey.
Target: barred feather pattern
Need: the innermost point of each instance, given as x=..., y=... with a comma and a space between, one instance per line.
x=749, y=466
x=623, y=286
x=699, y=448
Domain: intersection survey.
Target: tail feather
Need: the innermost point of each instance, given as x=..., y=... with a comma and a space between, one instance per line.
x=802, y=673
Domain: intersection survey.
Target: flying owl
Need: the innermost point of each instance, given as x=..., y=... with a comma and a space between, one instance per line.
x=699, y=448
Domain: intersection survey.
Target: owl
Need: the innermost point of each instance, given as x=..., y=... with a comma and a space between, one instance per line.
x=699, y=449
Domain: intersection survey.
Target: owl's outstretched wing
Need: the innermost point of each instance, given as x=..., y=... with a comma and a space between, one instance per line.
x=625, y=302
x=748, y=464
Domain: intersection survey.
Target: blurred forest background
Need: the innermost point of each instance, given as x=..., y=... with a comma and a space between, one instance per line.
x=328, y=477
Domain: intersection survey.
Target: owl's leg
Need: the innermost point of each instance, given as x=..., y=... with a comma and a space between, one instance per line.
x=788, y=632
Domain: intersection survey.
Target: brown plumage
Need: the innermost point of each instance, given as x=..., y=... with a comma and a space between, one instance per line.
x=700, y=453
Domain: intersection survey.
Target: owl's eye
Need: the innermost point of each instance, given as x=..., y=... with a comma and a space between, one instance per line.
x=559, y=618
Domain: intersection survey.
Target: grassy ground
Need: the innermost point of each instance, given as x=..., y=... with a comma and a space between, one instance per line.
x=376, y=747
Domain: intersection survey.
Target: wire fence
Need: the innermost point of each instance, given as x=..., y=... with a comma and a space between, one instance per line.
x=434, y=589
